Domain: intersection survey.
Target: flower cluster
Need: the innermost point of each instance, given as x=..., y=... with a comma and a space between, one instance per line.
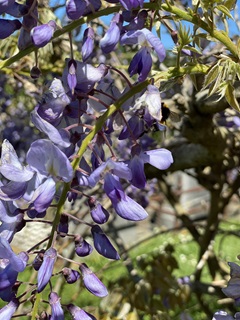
x=85, y=131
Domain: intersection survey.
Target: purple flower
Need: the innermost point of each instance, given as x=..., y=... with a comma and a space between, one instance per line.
x=222, y=315
x=92, y=283
x=46, y=269
x=8, y=310
x=79, y=314
x=41, y=35
x=10, y=166
x=75, y=8
x=141, y=64
x=71, y=78
x=159, y=158
x=17, y=262
x=87, y=75
x=125, y=207
x=233, y=288
x=7, y=27
x=57, y=311
x=152, y=100
x=5, y=4
x=98, y=213
x=59, y=137
x=142, y=61
x=16, y=10
x=63, y=224
x=38, y=260
x=11, y=219
x=138, y=176
x=136, y=125
x=145, y=37
x=47, y=159
x=82, y=247
x=43, y=195
x=87, y=44
x=9, y=269
x=131, y=4
x=102, y=244
x=70, y=275
x=112, y=36
x=119, y=169
x=29, y=21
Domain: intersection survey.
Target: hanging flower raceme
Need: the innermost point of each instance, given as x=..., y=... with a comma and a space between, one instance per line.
x=142, y=61
x=112, y=36
x=41, y=35
x=75, y=9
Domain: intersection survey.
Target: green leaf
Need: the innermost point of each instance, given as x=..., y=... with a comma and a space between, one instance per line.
x=211, y=75
x=231, y=98
x=224, y=10
x=192, y=49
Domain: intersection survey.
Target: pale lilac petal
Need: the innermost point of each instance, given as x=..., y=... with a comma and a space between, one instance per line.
x=79, y=314
x=46, y=269
x=159, y=158
x=59, y=137
x=42, y=34
x=48, y=159
x=44, y=195
x=10, y=166
x=57, y=311
x=92, y=283
x=7, y=311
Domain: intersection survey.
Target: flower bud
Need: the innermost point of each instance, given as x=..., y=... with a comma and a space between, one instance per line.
x=92, y=283
x=102, y=244
x=46, y=269
x=82, y=247
x=70, y=275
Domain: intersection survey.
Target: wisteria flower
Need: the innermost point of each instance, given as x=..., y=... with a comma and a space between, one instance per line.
x=46, y=269
x=42, y=34
x=147, y=40
x=112, y=36
x=86, y=74
x=124, y=206
x=92, y=283
x=7, y=27
x=102, y=244
x=79, y=314
x=88, y=43
x=57, y=311
x=70, y=275
x=8, y=310
x=152, y=100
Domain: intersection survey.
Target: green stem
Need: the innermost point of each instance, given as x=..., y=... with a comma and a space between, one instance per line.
x=35, y=306
x=196, y=20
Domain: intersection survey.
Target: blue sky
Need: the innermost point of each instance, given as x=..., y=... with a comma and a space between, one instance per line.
x=166, y=39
